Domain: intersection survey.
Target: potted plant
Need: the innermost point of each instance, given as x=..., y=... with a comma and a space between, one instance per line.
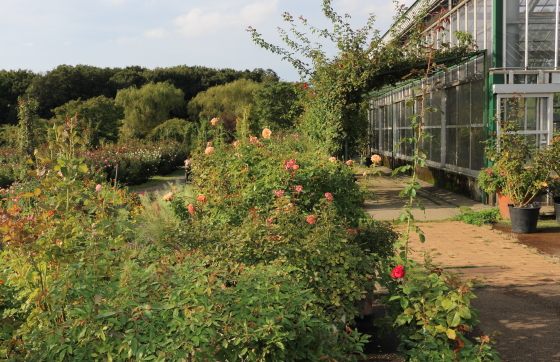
x=552, y=157
x=554, y=191
x=524, y=170
x=491, y=181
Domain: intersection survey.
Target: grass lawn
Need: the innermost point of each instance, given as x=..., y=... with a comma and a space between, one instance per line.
x=159, y=180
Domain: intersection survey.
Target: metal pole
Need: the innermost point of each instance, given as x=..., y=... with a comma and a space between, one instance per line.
x=556, y=37
x=527, y=35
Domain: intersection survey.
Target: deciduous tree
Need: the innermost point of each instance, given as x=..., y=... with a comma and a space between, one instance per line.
x=99, y=118
x=148, y=107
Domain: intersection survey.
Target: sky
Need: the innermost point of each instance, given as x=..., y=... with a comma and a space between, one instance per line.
x=39, y=35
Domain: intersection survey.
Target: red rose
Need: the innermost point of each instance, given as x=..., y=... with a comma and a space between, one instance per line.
x=398, y=272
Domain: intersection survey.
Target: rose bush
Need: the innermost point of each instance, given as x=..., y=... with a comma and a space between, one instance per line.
x=81, y=287
x=260, y=208
x=134, y=162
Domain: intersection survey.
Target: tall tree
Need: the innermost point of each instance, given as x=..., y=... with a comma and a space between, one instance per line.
x=13, y=84
x=277, y=104
x=99, y=118
x=148, y=107
x=66, y=83
x=226, y=102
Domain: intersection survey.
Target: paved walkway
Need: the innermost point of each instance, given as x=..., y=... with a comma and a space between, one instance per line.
x=519, y=293
x=479, y=252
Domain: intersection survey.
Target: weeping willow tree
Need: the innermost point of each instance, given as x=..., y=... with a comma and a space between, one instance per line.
x=227, y=102
x=148, y=107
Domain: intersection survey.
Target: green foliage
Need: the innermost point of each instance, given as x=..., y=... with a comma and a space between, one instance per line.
x=277, y=105
x=65, y=83
x=99, y=118
x=335, y=110
x=174, y=129
x=134, y=162
x=523, y=167
x=551, y=155
x=148, y=107
x=430, y=312
x=28, y=121
x=261, y=201
x=490, y=179
x=80, y=289
x=182, y=306
x=226, y=102
x=13, y=167
x=13, y=84
x=9, y=136
x=478, y=218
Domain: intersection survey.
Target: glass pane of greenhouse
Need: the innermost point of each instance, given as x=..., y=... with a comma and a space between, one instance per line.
x=542, y=18
x=515, y=33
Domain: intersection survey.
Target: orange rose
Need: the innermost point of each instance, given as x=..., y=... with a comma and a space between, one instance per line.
x=266, y=133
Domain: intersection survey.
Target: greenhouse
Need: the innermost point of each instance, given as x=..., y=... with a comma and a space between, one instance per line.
x=517, y=59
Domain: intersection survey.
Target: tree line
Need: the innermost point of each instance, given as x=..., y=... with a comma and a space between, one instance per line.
x=67, y=83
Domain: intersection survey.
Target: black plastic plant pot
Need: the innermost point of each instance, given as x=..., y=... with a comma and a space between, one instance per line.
x=524, y=219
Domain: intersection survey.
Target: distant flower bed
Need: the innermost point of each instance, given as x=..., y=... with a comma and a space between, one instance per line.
x=13, y=167
x=133, y=163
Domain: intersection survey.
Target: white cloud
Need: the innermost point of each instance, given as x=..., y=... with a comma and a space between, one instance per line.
x=128, y=40
x=28, y=44
x=114, y=2
x=199, y=21
x=154, y=33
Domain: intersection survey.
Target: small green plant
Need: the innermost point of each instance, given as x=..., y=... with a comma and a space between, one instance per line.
x=478, y=218
x=430, y=312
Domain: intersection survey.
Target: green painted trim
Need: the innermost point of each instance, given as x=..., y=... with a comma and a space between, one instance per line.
x=497, y=33
x=485, y=113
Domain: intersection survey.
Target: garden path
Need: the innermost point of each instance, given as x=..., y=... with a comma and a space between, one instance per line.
x=518, y=288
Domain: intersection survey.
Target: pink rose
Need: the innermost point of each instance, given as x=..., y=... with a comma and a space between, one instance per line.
x=279, y=193
x=311, y=219
x=299, y=188
x=329, y=196
x=398, y=272
x=98, y=187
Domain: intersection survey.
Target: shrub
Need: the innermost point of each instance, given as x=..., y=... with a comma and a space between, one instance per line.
x=246, y=176
x=13, y=167
x=99, y=118
x=80, y=290
x=430, y=312
x=134, y=162
x=182, y=306
x=261, y=201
